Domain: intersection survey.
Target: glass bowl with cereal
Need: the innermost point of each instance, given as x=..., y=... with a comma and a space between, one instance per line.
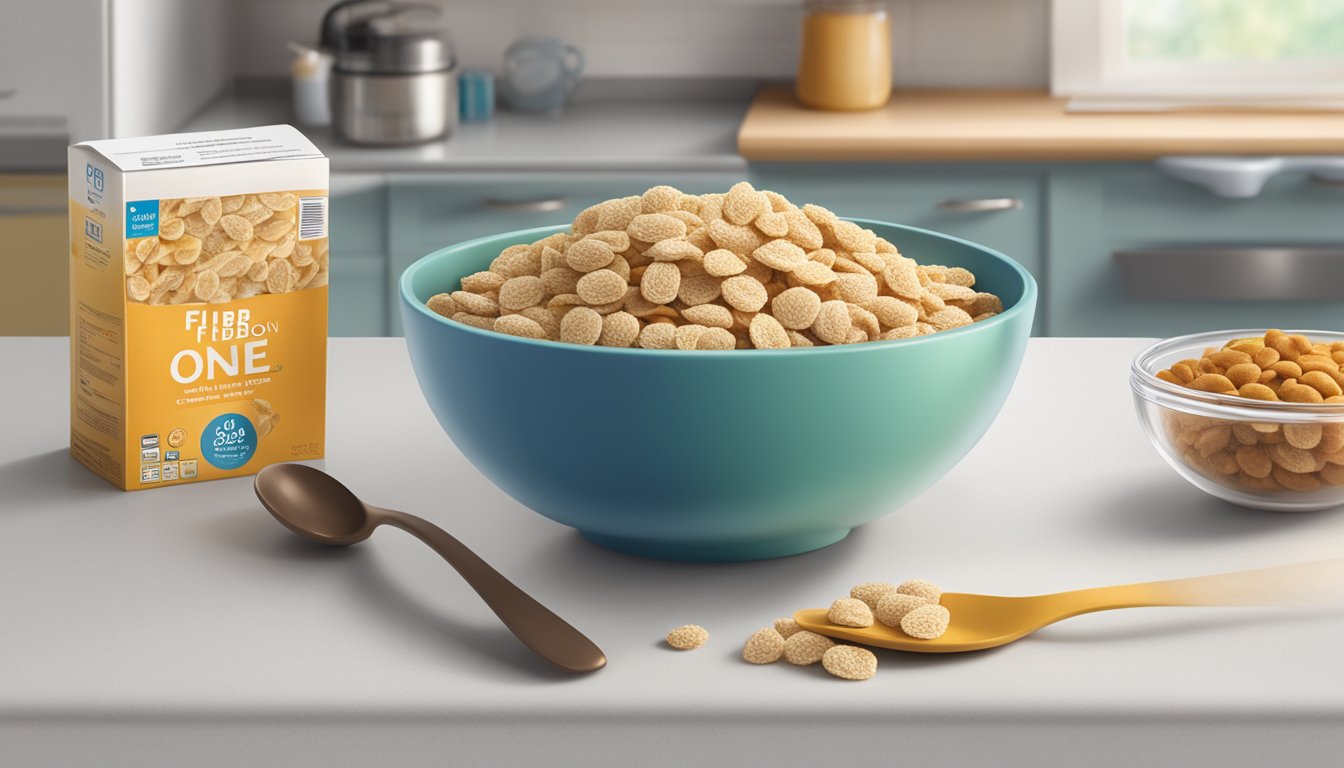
x=715, y=376
x=1254, y=418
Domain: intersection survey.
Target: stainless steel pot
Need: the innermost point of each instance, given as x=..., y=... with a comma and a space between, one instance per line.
x=391, y=82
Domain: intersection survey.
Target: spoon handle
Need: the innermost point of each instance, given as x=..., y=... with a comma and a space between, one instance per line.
x=1314, y=583
x=546, y=634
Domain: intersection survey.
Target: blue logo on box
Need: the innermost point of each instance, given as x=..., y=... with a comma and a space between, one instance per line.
x=228, y=441
x=142, y=218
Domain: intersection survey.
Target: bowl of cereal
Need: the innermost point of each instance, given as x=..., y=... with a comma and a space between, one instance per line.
x=733, y=378
x=1256, y=419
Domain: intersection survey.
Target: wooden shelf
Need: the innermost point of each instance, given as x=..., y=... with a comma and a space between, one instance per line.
x=1020, y=126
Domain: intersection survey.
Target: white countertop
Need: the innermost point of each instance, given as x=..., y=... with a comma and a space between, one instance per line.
x=600, y=134
x=185, y=626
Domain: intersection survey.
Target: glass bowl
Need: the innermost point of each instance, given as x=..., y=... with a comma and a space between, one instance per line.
x=1266, y=455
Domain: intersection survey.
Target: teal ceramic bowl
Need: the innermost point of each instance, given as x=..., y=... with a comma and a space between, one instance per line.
x=716, y=456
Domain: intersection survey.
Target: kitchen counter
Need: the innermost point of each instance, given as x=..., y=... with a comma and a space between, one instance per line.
x=184, y=626
x=1019, y=126
x=598, y=134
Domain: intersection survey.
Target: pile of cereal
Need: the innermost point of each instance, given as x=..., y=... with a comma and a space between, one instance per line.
x=911, y=607
x=741, y=270
x=1263, y=455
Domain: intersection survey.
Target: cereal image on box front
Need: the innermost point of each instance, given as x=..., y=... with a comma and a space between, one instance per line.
x=218, y=249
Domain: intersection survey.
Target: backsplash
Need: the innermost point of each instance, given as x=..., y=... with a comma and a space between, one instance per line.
x=936, y=43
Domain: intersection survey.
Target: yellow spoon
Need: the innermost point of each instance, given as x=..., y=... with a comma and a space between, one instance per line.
x=988, y=621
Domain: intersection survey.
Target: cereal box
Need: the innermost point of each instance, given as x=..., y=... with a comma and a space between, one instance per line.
x=198, y=304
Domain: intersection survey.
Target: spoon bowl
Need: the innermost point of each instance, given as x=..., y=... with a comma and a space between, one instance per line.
x=314, y=504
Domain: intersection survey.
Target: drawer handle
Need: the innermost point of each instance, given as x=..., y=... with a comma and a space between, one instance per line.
x=981, y=204
x=1326, y=181
x=1233, y=273
x=526, y=206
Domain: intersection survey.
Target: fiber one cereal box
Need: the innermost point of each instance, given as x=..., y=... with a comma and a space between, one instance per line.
x=198, y=304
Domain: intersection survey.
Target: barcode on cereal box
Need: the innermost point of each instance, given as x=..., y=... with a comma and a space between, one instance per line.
x=312, y=218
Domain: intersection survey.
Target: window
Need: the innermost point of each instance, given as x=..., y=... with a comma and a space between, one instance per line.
x=1200, y=50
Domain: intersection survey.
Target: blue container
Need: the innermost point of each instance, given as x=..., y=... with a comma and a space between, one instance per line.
x=476, y=96
x=716, y=456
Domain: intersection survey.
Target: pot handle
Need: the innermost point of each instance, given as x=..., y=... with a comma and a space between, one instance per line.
x=574, y=64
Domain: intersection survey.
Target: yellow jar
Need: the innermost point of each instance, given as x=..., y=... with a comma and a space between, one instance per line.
x=846, y=57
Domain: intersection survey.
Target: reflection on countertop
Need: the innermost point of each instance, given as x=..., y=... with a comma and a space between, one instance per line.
x=611, y=126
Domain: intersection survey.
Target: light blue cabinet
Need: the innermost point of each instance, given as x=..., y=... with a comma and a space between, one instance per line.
x=358, y=295
x=1097, y=210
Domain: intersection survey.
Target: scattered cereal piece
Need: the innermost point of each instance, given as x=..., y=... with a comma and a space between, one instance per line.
x=710, y=315
x=833, y=322
x=521, y=292
x=797, y=308
x=765, y=646
x=780, y=254
x=871, y=592
x=687, y=637
x=601, y=286
x=660, y=283
x=742, y=204
x=653, y=227
x=722, y=262
x=660, y=199
x=927, y=622
x=787, y=627
x=658, y=336
x=589, y=255
x=849, y=662
x=893, y=607
x=804, y=647
x=744, y=293
x=716, y=339
x=921, y=588
x=767, y=333
x=850, y=612
x=443, y=304
x=581, y=325
x=518, y=325
x=619, y=329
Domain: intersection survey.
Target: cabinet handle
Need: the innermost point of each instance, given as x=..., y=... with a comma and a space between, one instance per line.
x=526, y=206
x=1326, y=181
x=981, y=204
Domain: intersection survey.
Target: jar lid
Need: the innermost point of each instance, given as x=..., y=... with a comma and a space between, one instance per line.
x=844, y=6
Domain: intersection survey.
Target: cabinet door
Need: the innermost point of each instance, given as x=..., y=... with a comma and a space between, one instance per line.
x=1096, y=211
x=357, y=296
x=358, y=293
x=429, y=212
x=998, y=206
x=35, y=230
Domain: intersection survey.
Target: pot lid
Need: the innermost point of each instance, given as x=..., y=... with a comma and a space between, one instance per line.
x=396, y=39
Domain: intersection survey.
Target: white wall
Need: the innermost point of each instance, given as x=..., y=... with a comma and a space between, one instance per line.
x=168, y=59
x=954, y=43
